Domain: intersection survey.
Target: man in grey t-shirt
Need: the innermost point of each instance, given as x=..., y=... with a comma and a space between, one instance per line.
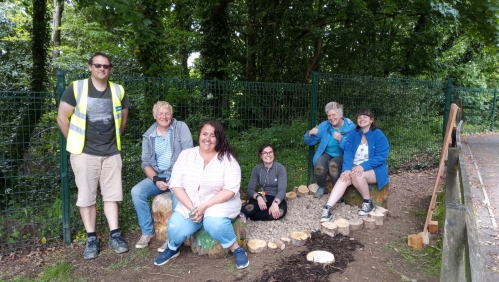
x=92, y=116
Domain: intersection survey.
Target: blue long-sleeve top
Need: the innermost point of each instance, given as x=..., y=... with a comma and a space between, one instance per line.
x=325, y=133
x=378, y=154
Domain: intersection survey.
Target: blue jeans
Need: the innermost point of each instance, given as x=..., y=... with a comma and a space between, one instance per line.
x=219, y=228
x=140, y=194
x=325, y=165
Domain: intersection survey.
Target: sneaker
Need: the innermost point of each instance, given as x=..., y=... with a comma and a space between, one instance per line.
x=91, y=248
x=367, y=208
x=163, y=247
x=117, y=243
x=144, y=241
x=326, y=213
x=165, y=256
x=320, y=191
x=242, y=260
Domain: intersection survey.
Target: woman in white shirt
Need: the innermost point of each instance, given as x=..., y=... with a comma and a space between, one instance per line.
x=206, y=181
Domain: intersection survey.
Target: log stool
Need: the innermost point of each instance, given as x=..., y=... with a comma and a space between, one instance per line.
x=352, y=196
x=203, y=244
x=161, y=213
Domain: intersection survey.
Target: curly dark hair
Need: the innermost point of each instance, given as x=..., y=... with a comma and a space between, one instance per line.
x=366, y=112
x=223, y=146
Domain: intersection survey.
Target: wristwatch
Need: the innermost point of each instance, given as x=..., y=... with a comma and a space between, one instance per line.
x=275, y=201
x=257, y=195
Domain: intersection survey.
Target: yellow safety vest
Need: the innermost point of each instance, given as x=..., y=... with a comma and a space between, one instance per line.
x=77, y=125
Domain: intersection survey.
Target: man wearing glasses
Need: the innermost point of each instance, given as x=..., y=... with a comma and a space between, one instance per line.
x=92, y=116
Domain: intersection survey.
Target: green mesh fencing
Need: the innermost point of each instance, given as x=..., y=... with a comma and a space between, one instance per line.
x=478, y=108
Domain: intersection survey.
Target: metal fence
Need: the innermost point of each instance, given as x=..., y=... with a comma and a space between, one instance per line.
x=34, y=171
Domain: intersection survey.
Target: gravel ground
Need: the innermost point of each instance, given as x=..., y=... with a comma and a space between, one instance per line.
x=304, y=214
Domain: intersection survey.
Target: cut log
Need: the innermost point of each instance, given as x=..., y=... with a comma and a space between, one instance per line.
x=298, y=238
x=369, y=223
x=382, y=210
x=161, y=213
x=280, y=245
x=302, y=191
x=290, y=195
x=329, y=228
x=343, y=226
x=415, y=241
x=312, y=188
x=271, y=245
x=321, y=257
x=355, y=224
x=377, y=216
x=433, y=227
x=256, y=246
x=286, y=240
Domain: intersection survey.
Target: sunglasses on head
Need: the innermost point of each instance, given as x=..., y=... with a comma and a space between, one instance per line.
x=98, y=66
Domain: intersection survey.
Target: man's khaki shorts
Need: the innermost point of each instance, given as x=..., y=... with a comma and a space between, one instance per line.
x=94, y=171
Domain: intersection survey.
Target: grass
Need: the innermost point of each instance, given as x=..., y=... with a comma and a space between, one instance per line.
x=128, y=258
x=427, y=259
x=230, y=267
x=58, y=272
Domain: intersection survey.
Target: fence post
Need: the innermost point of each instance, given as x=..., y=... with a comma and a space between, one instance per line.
x=493, y=110
x=453, y=243
x=448, y=98
x=313, y=118
x=61, y=85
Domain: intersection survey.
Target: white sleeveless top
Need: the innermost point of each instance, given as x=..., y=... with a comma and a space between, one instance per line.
x=362, y=154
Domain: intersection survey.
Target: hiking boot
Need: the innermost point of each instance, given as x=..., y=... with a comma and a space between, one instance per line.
x=91, y=248
x=320, y=191
x=326, y=213
x=367, y=208
x=163, y=247
x=165, y=256
x=117, y=243
x=144, y=241
x=242, y=260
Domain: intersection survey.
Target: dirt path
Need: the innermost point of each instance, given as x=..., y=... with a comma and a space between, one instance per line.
x=482, y=162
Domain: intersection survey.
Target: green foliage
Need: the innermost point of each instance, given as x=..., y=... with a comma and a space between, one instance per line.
x=60, y=272
x=428, y=259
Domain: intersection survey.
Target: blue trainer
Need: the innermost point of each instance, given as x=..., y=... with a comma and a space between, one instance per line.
x=165, y=256
x=117, y=243
x=242, y=260
x=91, y=248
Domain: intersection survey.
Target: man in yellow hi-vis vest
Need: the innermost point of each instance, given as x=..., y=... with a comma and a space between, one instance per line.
x=92, y=116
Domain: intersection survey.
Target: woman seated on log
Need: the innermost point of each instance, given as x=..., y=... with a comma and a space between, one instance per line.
x=364, y=162
x=269, y=202
x=206, y=181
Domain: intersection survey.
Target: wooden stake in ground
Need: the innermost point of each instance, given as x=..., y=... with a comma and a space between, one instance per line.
x=298, y=238
x=369, y=223
x=343, y=226
x=329, y=228
x=256, y=246
x=280, y=245
x=321, y=257
x=312, y=188
x=290, y=195
x=355, y=224
x=377, y=216
x=302, y=191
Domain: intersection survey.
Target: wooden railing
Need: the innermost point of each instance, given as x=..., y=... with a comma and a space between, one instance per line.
x=461, y=256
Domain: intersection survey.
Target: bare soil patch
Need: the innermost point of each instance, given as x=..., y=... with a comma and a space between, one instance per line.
x=371, y=255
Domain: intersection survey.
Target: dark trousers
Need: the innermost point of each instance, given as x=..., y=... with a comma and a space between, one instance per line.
x=252, y=210
x=325, y=165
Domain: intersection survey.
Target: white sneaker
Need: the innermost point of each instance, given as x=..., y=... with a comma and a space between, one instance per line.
x=144, y=241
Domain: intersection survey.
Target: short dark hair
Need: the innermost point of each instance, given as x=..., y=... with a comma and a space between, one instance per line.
x=223, y=146
x=91, y=60
x=263, y=146
x=366, y=112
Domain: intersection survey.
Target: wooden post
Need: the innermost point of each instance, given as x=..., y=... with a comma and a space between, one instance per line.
x=454, y=240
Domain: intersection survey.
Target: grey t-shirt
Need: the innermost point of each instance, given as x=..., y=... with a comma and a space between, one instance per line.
x=100, y=133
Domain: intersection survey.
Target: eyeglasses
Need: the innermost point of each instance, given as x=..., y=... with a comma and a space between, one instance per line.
x=98, y=66
x=267, y=153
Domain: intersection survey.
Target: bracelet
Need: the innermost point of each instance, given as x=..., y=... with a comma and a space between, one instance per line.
x=275, y=201
x=257, y=195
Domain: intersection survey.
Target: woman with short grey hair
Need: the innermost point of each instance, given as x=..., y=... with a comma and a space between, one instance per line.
x=331, y=136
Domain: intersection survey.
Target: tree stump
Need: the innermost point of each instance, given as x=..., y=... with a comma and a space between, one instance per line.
x=302, y=191
x=272, y=245
x=377, y=216
x=298, y=238
x=203, y=244
x=161, y=213
x=369, y=223
x=290, y=195
x=321, y=257
x=256, y=246
x=329, y=228
x=312, y=188
x=343, y=226
x=355, y=224
x=280, y=245
x=352, y=196
x=382, y=210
